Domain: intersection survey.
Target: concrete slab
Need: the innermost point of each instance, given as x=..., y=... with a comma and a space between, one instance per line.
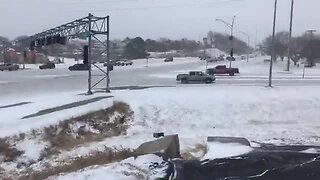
x=238, y=140
x=167, y=147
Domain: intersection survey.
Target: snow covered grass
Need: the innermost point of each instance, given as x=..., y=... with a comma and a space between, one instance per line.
x=29, y=151
x=282, y=115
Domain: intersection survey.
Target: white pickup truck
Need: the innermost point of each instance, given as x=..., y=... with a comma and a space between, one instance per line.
x=196, y=76
x=9, y=67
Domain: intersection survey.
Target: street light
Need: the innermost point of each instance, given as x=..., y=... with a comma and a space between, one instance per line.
x=231, y=26
x=248, y=43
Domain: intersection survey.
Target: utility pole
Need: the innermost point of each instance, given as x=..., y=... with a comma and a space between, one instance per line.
x=290, y=36
x=231, y=26
x=273, y=42
x=248, y=43
x=89, y=55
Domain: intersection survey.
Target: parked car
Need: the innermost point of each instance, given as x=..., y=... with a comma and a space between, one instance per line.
x=220, y=58
x=127, y=63
x=223, y=70
x=195, y=76
x=204, y=57
x=79, y=67
x=169, y=59
x=229, y=58
x=49, y=65
x=122, y=63
x=214, y=59
x=9, y=67
x=243, y=57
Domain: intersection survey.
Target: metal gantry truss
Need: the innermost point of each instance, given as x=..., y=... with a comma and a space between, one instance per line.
x=88, y=27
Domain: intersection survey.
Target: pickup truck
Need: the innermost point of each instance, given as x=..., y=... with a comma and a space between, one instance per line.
x=223, y=70
x=9, y=67
x=195, y=76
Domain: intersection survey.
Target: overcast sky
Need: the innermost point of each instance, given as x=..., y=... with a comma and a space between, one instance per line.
x=159, y=18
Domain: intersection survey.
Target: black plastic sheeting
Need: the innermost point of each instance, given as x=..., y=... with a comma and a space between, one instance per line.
x=266, y=163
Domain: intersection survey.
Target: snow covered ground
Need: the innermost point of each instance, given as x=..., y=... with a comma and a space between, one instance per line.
x=11, y=121
x=279, y=115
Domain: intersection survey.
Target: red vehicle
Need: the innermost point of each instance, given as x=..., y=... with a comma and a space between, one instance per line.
x=223, y=70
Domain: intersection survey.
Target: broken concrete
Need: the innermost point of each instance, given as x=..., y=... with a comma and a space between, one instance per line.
x=167, y=147
x=237, y=140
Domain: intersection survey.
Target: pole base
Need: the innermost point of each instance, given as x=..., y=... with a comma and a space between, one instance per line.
x=108, y=91
x=89, y=93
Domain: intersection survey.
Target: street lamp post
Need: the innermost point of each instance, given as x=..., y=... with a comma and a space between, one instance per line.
x=273, y=42
x=248, y=43
x=231, y=26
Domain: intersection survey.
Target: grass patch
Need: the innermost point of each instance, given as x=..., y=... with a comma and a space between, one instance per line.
x=9, y=153
x=91, y=127
x=98, y=158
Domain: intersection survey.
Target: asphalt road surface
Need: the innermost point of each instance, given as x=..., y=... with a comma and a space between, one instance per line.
x=34, y=81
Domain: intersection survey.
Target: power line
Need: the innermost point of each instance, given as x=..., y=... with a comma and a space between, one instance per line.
x=100, y=2
x=164, y=7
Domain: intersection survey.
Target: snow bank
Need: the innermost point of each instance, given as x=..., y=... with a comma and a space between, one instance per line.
x=222, y=150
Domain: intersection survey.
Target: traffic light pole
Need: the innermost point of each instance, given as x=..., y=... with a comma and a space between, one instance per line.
x=89, y=27
x=89, y=56
x=108, y=55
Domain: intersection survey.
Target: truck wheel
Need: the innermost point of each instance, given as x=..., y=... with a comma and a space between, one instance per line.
x=10, y=69
x=184, y=81
x=208, y=81
x=231, y=74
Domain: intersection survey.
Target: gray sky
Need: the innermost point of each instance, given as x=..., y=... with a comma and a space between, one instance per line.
x=159, y=18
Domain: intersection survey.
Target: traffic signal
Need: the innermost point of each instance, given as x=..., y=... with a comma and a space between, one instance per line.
x=62, y=40
x=49, y=40
x=85, y=54
x=56, y=39
x=32, y=45
x=38, y=43
x=43, y=41
x=110, y=68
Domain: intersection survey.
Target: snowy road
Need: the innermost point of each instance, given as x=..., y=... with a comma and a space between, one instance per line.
x=34, y=81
